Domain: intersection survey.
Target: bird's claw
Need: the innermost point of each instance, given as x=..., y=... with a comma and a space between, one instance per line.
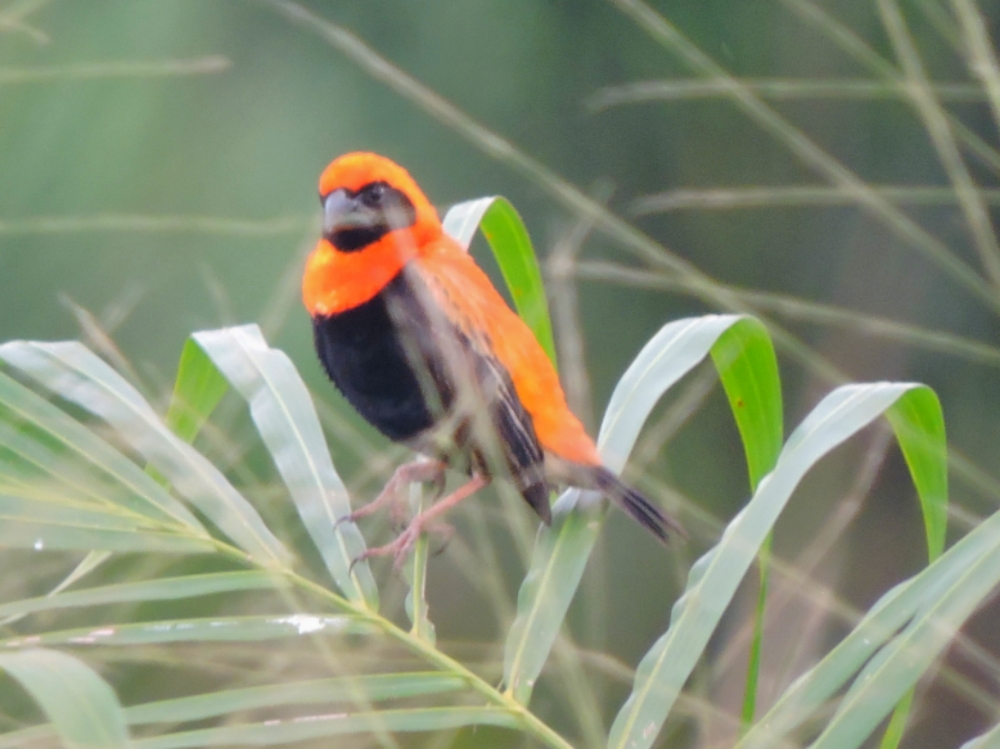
x=401, y=547
x=348, y=518
x=398, y=549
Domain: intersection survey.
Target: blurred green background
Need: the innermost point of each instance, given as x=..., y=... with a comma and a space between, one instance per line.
x=159, y=161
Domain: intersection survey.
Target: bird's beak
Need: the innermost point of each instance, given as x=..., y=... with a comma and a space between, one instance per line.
x=343, y=211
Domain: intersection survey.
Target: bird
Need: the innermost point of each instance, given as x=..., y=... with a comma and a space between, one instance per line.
x=417, y=339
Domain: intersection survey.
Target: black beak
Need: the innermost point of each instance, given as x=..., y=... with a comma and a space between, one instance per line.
x=343, y=212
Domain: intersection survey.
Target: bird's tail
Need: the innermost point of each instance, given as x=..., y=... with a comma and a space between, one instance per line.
x=648, y=515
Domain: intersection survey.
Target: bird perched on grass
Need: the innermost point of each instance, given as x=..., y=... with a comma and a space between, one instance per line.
x=414, y=335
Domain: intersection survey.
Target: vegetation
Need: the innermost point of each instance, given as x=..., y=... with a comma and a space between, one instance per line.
x=182, y=557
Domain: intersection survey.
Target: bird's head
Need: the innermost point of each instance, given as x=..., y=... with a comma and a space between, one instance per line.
x=367, y=197
x=375, y=220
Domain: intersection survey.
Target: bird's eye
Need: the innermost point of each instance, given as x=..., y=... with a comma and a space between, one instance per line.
x=372, y=194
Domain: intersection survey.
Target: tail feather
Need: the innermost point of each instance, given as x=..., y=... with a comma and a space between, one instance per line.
x=648, y=515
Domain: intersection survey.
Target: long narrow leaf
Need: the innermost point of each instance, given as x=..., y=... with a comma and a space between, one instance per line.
x=884, y=620
x=562, y=550
x=368, y=689
x=57, y=535
x=37, y=506
x=286, y=419
x=919, y=425
x=416, y=572
x=168, y=588
x=898, y=666
x=89, y=449
x=715, y=577
x=198, y=389
x=753, y=377
x=84, y=567
x=748, y=370
x=273, y=732
x=71, y=371
x=215, y=629
x=503, y=228
x=363, y=689
x=82, y=707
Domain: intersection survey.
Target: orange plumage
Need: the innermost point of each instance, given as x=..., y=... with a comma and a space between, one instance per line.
x=407, y=325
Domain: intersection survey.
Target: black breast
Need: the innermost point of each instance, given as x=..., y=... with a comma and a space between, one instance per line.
x=401, y=370
x=365, y=352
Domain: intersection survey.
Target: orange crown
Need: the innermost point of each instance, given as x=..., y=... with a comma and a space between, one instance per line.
x=357, y=169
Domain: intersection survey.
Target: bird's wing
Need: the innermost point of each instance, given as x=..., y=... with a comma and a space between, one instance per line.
x=460, y=287
x=471, y=313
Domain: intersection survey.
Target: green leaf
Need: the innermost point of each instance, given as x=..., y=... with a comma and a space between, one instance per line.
x=306, y=727
x=884, y=620
x=138, y=492
x=897, y=666
x=197, y=391
x=508, y=238
x=748, y=369
x=715, y=577
x=561, y=551
x=41, y=506
x=287, y=422
x=897, y=723
x=71, y=371
x=47, y=526
x=213, y=629
x=416, y=572
x=88, y=564
x=919, y=425
x=168, y=588
x=82, y=707
x=352, y=689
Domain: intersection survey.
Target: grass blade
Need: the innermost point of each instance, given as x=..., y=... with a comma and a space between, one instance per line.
x=168, y=588
x=715, y=577
x=88, y=564
x=71, y=371
x=82, y=446
x=562, y=550
x=919, y=425
x=286, y=419
x=306, y=727
x=748, y=369
x=37, y=506
x=896, y=668
x=197, y=391
x=503, y=228
x=82, y=707
x=371, y=688
x=415, y=571
x=884, y=620
x=76, y=532
x=351, y=689
x=214, y=629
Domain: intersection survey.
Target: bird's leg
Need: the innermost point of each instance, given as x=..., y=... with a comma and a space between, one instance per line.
x=393, y=493
x=405, y=541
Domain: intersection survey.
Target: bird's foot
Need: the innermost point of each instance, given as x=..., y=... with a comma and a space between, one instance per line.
x=428, y=519
x=394, y=495
x=398, y=549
